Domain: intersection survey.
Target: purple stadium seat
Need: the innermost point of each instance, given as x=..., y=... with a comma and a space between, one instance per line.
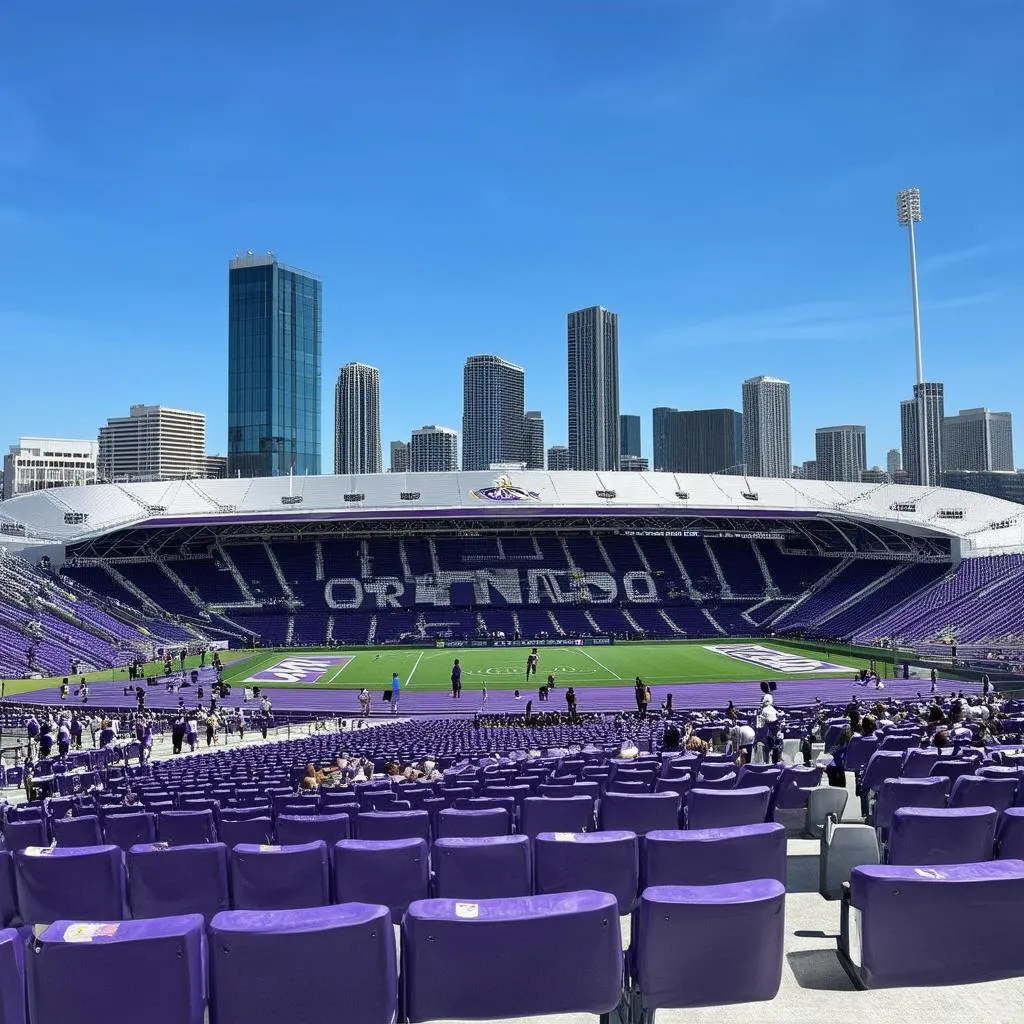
x=128, y=830
x=711, y=772
x=169, y=881
x=456, y=824
x=393, y=873
x=918, y=762
x=12, y=977
x=339, y=953
x=639, y=813
x=715, y=856
x=497, y=867
x=683, y=935
x=904, y=932
x=896, y=793
x=723, y=809
x=557, y=814
x=605, y=861
x=942, y=835
x=83, y=831
x=511, y=972
x=381, y=825
x=84, y=883
x=858, y=751
x=279, y=877
x=8, y=891
x=978, y=791
x=187, y=828
x=19, y=835
x=162, y=960
x=254, y=831
x=1010, y=834
x=294, y=831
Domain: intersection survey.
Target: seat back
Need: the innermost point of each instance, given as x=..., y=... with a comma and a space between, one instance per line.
x=12, y=977
x=495, y=867
x=168, y=881
x=164, y=959
x=254, y=831
x=978, y=791
x=721, y=809
x=348, y=949
x=905, y=938
x=83, y=831
x=490, y=982
x=557, y=814
x=380, y=825
x=20, y=835
x=455, y=824
x=392, y=873
x=294, y=831
x=128, y=830
x=280, y=877
x=680, y=932
x=81, y=883
x=942, y=835
x=715, y=856
x=896, y=793
x=639, y=813
x=605, y=861
x=187, y=828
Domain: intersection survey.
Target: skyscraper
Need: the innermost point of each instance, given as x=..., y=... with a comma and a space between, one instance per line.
x=977, y=439
x=893, y=462
x=274, y=354
x=593, y=335
x=767, y=437
x=931, y=395
x=698, y=441
x=492, y=412
x=629, y=435
x=399, y=457
x=152, y=443
x=434, y=450
x=357, y=419
x=533, y=440
x=665, y=435
x=841, y=453
x=558, y=458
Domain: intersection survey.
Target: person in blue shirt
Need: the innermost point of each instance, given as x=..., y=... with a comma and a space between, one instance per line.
x=396, y=693
x=456, y=679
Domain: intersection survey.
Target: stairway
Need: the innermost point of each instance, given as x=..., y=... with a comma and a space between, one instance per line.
x=604, y=554
x=676, y=631
x=148, y=605
x=707, y=615
x=683, y=574
x=823, y=582
x=239, y=579
x=289, y=637
x=716, y=565
x=191, y=594
x=634, y=625
x=319, y=556
x=555, y=624
x=281, y=581
x=769, y=583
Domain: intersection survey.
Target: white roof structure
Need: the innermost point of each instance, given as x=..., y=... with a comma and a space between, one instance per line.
x=982, y=524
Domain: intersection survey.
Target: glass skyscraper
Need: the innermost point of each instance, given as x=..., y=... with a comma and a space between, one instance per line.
x=274, y=356
x=492, y=412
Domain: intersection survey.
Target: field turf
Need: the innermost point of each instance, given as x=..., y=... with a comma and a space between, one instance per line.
x=505, y=668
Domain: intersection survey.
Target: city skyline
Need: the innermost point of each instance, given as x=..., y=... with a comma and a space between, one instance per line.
x=482, y=224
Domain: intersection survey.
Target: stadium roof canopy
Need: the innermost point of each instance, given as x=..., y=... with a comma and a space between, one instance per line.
x=976, y=523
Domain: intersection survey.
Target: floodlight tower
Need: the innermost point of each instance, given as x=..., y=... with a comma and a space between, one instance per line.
x=908, y=213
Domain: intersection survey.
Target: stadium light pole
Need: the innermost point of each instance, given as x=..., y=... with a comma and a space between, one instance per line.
x=908, y=213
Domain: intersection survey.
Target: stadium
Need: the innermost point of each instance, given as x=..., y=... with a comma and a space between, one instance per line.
x=655, y=599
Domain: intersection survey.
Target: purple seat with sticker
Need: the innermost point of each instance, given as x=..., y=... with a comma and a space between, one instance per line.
x=392, y=872
x=280, y=877
x=169, y=881
x=488, y=868
x=605, y=861
x=163, y=960
x=715, y=856
x=503, y=951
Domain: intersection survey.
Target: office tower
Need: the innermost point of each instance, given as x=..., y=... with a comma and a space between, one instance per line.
x=633, y=464
x=767, y=440
x=977, y=439
x=1006, y=484
x=216, y=467
x=35, y=463
x=357, y=419
x=492, y=412
x=841, y=453
x=533, y=440
x=874, y=475
x=930, y=396
x=274, y=354
x=558, y=458
x=808, y=470
x=434, y=450
x=665, y=423
x=698, y=441
x=152, y=443
x=399, y=457
x=629, y=434
x=893, y=462
x=593, y=336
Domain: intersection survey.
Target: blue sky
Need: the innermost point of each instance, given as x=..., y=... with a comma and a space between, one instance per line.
x=462, y=173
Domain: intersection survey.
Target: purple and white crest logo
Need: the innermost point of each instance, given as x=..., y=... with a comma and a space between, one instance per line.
x=776, y=661
x=505, y=490
x=300, y=670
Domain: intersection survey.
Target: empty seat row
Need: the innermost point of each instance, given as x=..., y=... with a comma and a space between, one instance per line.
x=458, y=960
x=40, y=885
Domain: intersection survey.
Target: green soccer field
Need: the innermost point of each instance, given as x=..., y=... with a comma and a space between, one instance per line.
x=505, y=668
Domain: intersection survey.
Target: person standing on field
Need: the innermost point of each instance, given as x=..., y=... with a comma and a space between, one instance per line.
x=456, y=680
x=531, y=664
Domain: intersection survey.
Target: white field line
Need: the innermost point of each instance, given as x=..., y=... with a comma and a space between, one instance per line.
x=583, y=651
x=415, y=666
